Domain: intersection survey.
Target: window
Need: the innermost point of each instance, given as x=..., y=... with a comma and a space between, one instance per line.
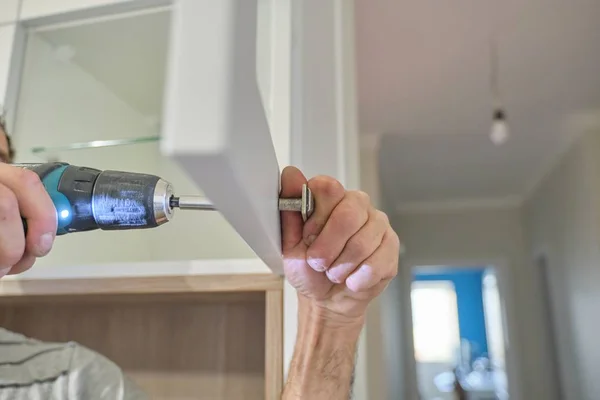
x=493, y=319
x=435, y=321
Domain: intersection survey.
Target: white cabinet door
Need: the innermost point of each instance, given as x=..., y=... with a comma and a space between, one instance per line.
x=215, y=124
x=8, y=10
x=41, y=8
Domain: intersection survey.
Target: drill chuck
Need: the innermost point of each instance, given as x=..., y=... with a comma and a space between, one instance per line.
x=125, y=200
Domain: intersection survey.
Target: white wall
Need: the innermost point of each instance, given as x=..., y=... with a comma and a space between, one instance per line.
x=561, y=219
x=7, y=33
x=375, y=356
x=324, y=136
x=8, y=10
x=482, y=236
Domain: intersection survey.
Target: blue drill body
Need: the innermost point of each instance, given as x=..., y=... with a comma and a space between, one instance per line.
x=88, y=199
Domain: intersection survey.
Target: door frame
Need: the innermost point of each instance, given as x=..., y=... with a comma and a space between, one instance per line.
x=506, y=290
x=548, y=301
x=324, y=123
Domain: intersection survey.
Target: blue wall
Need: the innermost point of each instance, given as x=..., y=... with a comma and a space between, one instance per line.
x=469, y=296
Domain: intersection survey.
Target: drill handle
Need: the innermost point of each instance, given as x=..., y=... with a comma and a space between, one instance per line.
x=48, y=173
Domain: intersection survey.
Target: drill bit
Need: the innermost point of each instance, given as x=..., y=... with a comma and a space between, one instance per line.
x=304, y=205
x=191, y=203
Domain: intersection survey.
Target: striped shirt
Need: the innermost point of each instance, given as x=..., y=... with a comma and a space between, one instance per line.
x=34, y=370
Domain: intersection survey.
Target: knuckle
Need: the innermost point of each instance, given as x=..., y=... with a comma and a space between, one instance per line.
x=393, y=271
x=360, y=247
x=362, y=198
x=395, y=239
x=326, y=185
x=383, y=217
x=28, y=179
x=346, y=217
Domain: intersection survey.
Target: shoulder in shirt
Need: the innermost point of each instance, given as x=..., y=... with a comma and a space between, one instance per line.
x=58, y=371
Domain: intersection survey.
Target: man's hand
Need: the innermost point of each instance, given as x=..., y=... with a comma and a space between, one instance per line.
x=23, y=195
x=344, y=255
x=338, y=261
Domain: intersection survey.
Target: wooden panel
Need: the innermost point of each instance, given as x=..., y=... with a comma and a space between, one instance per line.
x=82, y=299
x=274, y=345
x=69, y=270
x=215, y=124
x=181, y=349
x=141, y=285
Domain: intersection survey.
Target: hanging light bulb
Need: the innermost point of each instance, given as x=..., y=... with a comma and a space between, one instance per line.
x=499, y=133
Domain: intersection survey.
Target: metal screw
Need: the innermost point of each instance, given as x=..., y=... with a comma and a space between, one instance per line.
x=304, y=205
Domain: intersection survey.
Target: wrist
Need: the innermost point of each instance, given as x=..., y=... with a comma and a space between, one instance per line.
x=320, y=315
x=324, y=355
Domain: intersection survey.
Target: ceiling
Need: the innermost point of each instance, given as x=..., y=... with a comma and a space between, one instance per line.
x=424, y=85
x=127, y=54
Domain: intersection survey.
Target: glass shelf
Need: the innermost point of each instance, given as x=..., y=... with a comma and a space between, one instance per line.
x=95, y=144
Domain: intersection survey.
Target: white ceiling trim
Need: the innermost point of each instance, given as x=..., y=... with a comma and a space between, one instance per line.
x=424, y=207
x=580, y=124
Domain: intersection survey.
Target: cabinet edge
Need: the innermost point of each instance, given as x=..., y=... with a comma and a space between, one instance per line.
x=141, y=285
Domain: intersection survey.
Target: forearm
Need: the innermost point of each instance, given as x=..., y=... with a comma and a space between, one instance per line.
x=323, y=363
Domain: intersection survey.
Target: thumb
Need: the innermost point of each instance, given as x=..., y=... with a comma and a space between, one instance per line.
x=291, y=221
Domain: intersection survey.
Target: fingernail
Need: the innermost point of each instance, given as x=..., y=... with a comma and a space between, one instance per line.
x=4, y=271
x=318, y=264
x=46, y=242
x=359, y=279
x=333, y=277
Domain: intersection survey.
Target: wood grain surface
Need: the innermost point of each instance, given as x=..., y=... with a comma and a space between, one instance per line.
x=180, y=346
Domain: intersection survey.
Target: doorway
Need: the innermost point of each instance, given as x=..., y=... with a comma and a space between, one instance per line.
x=549, y=322
x=459, y=333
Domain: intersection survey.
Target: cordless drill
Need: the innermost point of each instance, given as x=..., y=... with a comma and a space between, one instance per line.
x=88, y=199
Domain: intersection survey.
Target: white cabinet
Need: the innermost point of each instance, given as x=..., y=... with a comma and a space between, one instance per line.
x=215, y=123
x=103, y=80
x=8, y=10
x=42, y=8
